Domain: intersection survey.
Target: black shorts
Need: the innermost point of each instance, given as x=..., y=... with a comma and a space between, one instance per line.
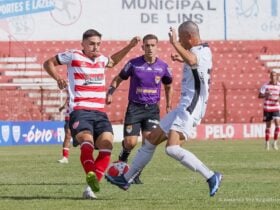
x=139, y=117
x=94, y=121
x=268, y=116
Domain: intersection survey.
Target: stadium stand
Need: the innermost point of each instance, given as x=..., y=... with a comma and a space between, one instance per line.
x=240, y=68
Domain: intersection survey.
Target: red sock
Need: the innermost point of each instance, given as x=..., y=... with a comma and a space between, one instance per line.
x=65, y=152
x=101, y=163
x=276, y=133
x=267, y=134
x=86, y=157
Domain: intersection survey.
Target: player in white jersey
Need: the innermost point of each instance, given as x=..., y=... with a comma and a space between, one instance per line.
x=178, y=123
x=270, y=92
x=89, y=124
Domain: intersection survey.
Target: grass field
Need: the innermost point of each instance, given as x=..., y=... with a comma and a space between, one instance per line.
x=30, y=178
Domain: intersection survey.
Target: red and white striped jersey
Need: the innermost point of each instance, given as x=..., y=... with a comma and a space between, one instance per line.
x=86, y=79
x=271, y=103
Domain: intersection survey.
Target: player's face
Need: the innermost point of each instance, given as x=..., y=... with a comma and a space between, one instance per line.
x=150, y=48
x=274, y=78
x=91, y=46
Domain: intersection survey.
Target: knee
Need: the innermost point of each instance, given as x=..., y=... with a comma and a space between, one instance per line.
x=173, y=151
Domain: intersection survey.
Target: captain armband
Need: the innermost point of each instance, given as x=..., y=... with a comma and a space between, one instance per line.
x=111, y=90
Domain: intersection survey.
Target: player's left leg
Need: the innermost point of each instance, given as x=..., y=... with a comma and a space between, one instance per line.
x=276, y=133
x=104, y=143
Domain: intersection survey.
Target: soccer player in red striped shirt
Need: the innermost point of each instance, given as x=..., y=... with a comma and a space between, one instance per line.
x=89, y=123
x=270, y=92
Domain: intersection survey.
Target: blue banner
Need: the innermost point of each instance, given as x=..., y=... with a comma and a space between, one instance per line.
x=11, y=8
x=31, y=133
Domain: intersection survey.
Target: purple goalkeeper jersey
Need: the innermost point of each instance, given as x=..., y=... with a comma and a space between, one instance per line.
x=145, y=79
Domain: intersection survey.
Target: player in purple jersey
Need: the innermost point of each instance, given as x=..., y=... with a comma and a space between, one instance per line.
x=179, y=122
x=146, y=73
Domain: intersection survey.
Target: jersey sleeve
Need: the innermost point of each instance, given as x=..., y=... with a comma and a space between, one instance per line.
x=126, y=71
x=64, y=57
x=204, y=57
x=167, y=77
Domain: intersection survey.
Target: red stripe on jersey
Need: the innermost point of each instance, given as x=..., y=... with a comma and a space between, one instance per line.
x=88, y=108
x=93, y=100
x=78, y=63
x=89, y=88
x=96, y=77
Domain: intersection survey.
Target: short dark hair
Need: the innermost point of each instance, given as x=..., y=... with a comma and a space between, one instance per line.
x=90, y=33
x=150, y=36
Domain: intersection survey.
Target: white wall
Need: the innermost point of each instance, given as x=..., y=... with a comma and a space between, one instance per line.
x=123, y=19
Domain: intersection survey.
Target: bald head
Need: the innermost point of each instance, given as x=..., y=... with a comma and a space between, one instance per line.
x=190, y=28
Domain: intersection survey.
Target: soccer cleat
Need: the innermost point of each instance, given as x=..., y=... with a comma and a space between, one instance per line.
x=214, y=183
x=119, y=181
x=63, y=160
x=137, y=180
x=88, y=194
x=92, y=181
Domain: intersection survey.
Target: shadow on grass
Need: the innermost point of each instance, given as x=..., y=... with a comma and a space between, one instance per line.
x=30, y=184
x=39, y=198
x=22, y=198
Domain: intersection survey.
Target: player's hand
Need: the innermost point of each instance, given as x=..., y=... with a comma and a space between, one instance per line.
x=62, y=83
x=176, y=57
x=134, y=41
x=172, y=36
x=168, y=109
x=109, y=99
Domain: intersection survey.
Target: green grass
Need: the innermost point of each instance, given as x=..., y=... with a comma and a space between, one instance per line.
x=30, y=178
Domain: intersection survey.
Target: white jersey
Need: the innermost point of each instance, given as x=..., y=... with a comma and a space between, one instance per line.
x=194, y=94
x=195, y=82
x=86, y=80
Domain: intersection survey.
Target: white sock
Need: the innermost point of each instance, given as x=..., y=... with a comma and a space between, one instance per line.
x=189, y=160
x=141, y=159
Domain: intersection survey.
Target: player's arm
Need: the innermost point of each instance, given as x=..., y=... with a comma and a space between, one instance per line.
x=186, y=55
x=118, y=56
x=114, y=85
x=63, y=106
x=50, y=68
x=168, y=96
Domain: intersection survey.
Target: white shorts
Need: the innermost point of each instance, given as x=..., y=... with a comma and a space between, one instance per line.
x=179, y=119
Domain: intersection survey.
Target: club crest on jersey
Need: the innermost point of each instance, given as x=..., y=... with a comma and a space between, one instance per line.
x=75, y=124
x=157, y=79
x=128, y=128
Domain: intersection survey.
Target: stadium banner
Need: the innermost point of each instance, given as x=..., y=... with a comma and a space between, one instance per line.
x=47, y=20
x=31, y=133
x=43, y=133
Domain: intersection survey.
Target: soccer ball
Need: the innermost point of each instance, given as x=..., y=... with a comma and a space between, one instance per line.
x=117, y=168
